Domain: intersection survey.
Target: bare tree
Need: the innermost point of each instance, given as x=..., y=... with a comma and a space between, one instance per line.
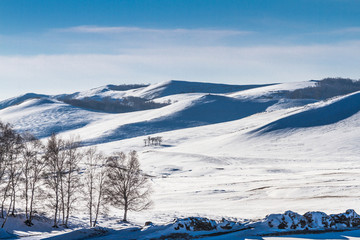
x=5, y=195
x=95, y=178
x=149, y=141
x=71, y=176
x=55, y=160
x=159, y=140
x=3, y=149
x=33, y=167
x=4, y=129
x=127, y=187
x=11, y=149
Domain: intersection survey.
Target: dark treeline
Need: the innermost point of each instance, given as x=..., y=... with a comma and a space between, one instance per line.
x=125, y=87
x=59, y=176
x=110, y=105
x=326, y=88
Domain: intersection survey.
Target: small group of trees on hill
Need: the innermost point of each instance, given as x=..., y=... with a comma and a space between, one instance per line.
x=58, y=175
x=152, y=141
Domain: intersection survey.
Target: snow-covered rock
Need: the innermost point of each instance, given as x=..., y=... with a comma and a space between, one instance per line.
x=319, y=220
x=350, y=218
x=195, y=224
x=288, y=220
x=204, y=224
x=312, y=220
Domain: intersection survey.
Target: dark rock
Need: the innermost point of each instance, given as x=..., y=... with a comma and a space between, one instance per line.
x=195, y=224
x=180, y=236
x=148, y=223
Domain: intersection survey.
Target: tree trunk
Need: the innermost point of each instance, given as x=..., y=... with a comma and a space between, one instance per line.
x=7, y=215
x=91, y=199
x=26, y=202
x=62, y=202
x=67, y=213
x=68, y=197
x=4, y=199
x=90, y=211
x=13, y=207
x=98, y=205
x=56, y=209
x=31, y=204
x=125, y=211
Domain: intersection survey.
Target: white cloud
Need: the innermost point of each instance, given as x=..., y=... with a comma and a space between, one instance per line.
x=59, y=73
x=106, y=30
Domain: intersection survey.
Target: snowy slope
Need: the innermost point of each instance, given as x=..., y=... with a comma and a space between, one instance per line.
x=273, y=89
x=177, y=87
x=237, y=152
x=183, y=114
x=44, y=116
x=319, y=114
x=176, y=105
x=20, y=99
x=193, y=107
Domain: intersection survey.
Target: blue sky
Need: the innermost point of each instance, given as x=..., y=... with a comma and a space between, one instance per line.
x=54, y=46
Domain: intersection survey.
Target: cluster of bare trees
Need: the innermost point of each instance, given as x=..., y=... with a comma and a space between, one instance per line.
x=62, y=176
x=152, y=141
x=59, y=175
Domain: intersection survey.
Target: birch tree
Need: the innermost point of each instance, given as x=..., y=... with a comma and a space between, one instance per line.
x=127, y=187
x=34, y=165
x=11, y=144
x=72, y=181
x=55, y=159
x=95, y=175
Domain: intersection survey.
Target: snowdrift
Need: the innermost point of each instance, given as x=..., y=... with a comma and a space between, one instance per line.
x=5, y=235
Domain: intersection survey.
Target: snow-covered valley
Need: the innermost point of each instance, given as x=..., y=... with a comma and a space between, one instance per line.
x=233, y=152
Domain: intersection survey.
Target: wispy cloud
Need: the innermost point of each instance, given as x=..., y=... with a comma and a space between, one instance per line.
x=348, y=30
x=72, y=72
x=89, y=56
x=113, y=30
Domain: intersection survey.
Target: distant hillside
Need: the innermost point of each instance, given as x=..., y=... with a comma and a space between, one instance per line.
x=115, y=112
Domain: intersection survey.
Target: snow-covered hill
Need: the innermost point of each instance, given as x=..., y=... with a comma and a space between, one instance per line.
x=228, y=150
x=120, y=112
